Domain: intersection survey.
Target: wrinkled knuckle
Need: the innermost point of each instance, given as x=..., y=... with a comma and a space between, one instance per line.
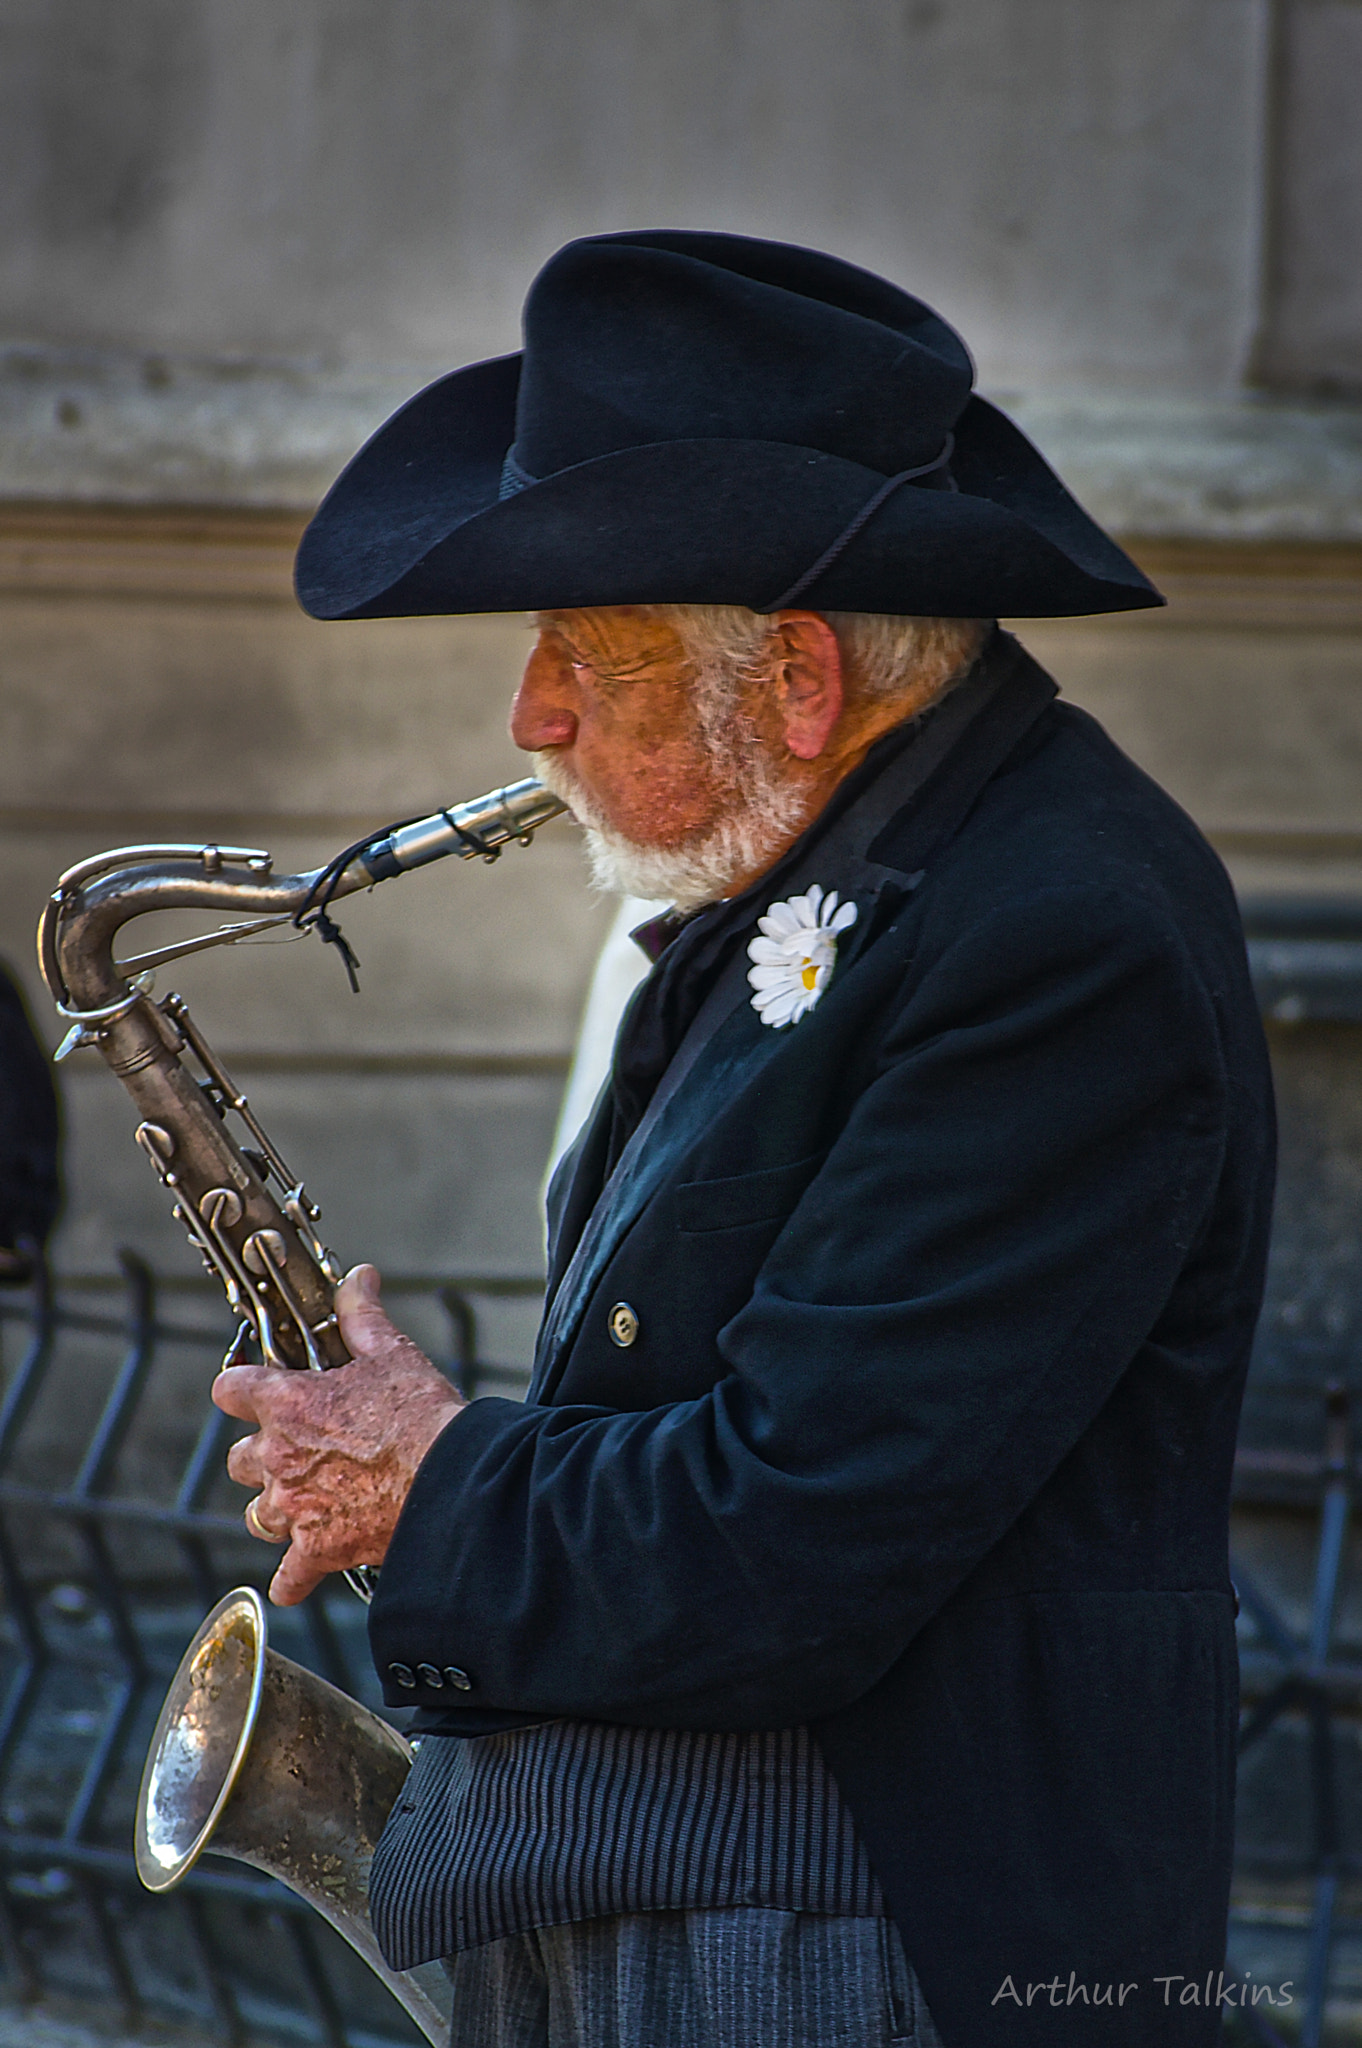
x=284, y=1401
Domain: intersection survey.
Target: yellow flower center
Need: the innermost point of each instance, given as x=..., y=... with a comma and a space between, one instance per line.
x=809, y=975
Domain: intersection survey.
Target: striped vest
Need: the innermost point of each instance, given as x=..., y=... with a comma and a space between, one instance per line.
x=497, y=1834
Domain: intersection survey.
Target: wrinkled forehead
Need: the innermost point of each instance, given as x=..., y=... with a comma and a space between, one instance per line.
x=619, y=640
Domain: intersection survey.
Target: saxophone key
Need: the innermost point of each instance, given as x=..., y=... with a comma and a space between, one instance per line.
x=220, y=1208
x=263, y=1252
x=159, y=1146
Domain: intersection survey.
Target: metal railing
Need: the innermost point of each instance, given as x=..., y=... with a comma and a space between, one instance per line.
x=1293, y=1670
x=106, y=1573
x=1305, y=954
x=117, y=1529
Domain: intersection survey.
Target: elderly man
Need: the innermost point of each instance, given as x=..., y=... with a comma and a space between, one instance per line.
x=837, y=1646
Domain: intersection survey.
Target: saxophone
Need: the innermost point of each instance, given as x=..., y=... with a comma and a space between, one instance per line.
x=304, y=1794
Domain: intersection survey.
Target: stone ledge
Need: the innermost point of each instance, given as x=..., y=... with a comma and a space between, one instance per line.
x=209, y=554
x=92, y=427
x=1244, y=468
x=147, y=551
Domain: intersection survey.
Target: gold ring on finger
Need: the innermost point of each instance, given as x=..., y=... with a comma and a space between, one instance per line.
x=256, y=1526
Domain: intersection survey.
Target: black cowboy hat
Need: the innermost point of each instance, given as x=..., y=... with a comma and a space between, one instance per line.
x=708, y=419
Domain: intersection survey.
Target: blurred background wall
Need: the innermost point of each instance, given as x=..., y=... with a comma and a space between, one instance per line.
x=234, y=235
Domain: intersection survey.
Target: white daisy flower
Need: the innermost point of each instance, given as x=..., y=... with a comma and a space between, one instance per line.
x=794, y=957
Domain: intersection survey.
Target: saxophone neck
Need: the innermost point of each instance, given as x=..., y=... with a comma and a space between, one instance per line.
x=95, y=899
x=474, y=830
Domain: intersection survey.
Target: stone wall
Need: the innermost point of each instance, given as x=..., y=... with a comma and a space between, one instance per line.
x=341, y=182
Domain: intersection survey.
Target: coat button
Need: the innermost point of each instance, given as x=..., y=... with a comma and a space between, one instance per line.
x=403, y=1675
x=623, y=1325
x=431, y=1675
x=460, y=1680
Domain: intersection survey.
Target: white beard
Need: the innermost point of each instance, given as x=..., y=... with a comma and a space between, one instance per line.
x=764, y=818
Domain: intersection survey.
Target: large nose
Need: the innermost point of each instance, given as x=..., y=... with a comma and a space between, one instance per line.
x=544, y=714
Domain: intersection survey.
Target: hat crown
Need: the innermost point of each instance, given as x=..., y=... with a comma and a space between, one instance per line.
x=632, y=340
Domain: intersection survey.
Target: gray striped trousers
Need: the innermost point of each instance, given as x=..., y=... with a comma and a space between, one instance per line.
x=723, y=1977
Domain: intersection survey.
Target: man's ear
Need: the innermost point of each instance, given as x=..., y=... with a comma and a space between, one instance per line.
x=808, y=677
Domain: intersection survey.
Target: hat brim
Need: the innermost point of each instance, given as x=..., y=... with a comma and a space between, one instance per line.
x=416, y=526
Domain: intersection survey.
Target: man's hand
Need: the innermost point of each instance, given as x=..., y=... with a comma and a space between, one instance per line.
x=337, y=1451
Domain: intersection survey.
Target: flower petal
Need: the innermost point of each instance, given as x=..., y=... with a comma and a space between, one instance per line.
x=845, y=918
x=779, y=921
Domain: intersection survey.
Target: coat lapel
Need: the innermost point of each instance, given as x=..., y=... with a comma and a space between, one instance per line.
x=723, y=1047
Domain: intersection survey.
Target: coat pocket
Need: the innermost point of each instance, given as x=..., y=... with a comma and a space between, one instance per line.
x=740, y=1198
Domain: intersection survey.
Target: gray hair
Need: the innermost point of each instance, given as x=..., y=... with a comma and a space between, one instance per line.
x=885, y=655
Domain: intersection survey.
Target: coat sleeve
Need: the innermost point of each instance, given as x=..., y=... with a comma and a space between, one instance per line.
x=980, y=1257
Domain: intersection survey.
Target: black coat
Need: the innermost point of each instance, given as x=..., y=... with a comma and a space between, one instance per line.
x=945, y=1296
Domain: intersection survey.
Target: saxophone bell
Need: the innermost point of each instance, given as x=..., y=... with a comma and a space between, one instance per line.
x=257, y=1759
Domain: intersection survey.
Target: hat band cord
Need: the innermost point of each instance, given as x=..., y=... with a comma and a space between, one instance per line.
x=866, y=513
